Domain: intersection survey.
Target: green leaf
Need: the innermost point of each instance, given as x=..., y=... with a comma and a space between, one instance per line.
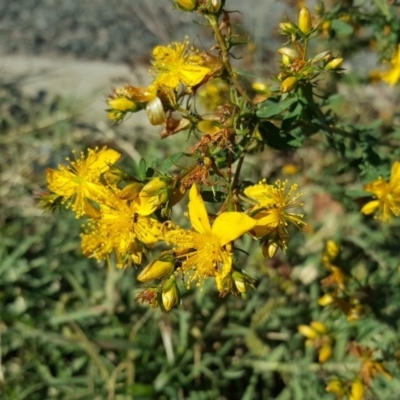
x=142, y=169
x=342, y=28
x=245, y=73
x=274, y=137
x=171, y=161
x=270, y=109
x=356, y=193
x=383, y=6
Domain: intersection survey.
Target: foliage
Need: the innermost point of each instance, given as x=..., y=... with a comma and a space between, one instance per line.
x=323, y=319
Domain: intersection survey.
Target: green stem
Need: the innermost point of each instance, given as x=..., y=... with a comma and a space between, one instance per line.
x=271, y=366
x=213, y=20
x=235, y=181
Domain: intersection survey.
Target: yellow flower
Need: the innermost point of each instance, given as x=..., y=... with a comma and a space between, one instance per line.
x=387, y=195
x=80, y=181
x=175, y=64
x=272, y=210
x=205, y=249
x=124, y=228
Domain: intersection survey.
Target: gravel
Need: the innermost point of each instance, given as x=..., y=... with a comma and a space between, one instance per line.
x=120, y=31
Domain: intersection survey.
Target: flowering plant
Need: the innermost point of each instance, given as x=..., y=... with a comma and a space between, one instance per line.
x=229, y=115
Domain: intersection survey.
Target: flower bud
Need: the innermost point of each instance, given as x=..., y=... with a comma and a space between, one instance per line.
x=357, y=390
x=332, y=249
x=187, y=5
x=122, y=104
x=216, y=5
x=287, y=27
x=155, y=111
x=288, y=84
x=157, y=188
x=304, y=21
x=326, y=300
x=157, y=269
x=286, y=60
x=261, y=87
x=320, y=327
x=333, y=64
x=325, y=353
x=335, y=386
x=269, y=248
x=170, y=294
x=287, y=51
x=307, y=331
x=241, y=280
x=370, y=207
x=325, y=55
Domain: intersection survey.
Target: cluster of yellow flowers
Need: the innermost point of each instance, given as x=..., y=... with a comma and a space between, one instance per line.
x=127, y=217
x=176, y=66
x=123, y=221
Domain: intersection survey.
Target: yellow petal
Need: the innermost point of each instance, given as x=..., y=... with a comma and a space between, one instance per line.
x=231, y=225
x=370, y=207
x=104, y=158
x=395, y=177
x=61, y=182
x=191, y=75
x=197, y=212
x=258, y=192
